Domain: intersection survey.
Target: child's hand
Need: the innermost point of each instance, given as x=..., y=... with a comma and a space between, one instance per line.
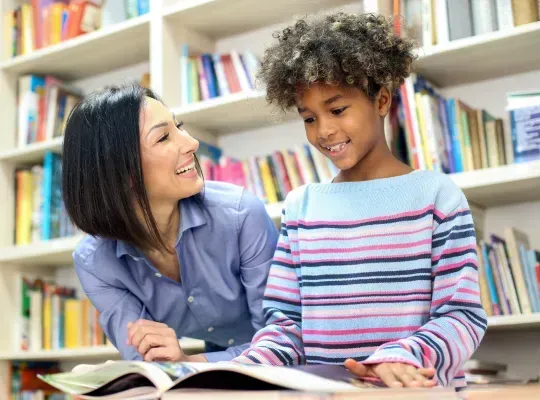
x=394, y=374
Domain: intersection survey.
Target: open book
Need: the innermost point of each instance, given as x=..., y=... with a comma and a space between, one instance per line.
x=142, y=380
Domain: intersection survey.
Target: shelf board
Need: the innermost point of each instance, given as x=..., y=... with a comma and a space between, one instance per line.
x=32, y=153
x=222, y=18
x=120, y=45
x=486, y=56
x=190, y=346
x=514, y=322
x=54, y=252
x=497, y=186
x=229, y=114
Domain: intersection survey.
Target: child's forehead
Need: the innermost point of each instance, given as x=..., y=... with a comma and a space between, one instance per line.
x=322, y=92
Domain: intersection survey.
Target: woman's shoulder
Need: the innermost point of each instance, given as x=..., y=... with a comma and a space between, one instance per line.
x=93, y=250
x=228, y=196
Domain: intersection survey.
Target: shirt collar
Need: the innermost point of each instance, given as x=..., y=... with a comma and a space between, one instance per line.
x=191, y=216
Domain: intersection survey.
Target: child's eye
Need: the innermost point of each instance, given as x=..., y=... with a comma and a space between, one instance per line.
x=309, y=120
x=179, y=125
x=338, y=111
x=163, y=138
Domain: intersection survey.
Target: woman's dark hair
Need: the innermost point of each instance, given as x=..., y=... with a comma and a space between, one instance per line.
x=102, y=177
x=361, y=50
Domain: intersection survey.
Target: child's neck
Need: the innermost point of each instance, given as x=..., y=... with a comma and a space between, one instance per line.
x=378, y=163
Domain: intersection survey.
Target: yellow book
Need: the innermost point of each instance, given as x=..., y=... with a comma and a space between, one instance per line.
x=426, y=150
x=7, y=28
x=267, y=180
x=85, y=322
x=72, y=323
x=27, y=31
x=47, y=316
x=482, y=282
x=23, y=218
x=55, y=28
x=194, y=80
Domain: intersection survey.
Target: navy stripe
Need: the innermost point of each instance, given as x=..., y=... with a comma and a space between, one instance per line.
x=457, y=269
x=427, y=299
x=373, y=274
x=280, y=300
x=360, y=224
x=366, y=261
x=284, y=264
x=453, y=236
x=452, y=229
x=453, y=255
x=352, y=345
x=366, y=281
x=367, y=295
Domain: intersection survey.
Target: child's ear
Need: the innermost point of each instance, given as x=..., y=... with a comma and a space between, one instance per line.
x=384, y=101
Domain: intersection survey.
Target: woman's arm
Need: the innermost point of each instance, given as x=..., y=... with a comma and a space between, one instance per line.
x=117, y=307
x=257, y=239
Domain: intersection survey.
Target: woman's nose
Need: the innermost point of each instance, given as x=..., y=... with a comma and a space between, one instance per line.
x=188, y=144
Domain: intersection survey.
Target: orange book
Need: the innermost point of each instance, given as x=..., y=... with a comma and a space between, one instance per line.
x=83, y=17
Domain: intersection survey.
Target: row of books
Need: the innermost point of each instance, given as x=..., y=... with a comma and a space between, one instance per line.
x=271, y=177
x=446, y=135
x=39, y=210
x=206, y=76
x=25, y=384
x=37, y=24
x=44, y=104
x=51, y=317
x=509, y=274
x=435, y=22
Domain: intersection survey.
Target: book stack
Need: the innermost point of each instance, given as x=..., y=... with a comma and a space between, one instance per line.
x=509, y=274
x=206, y=76
x=44, y=104
x=39, y=210
x=436, y=22
x=51, y=317
x=446, y=135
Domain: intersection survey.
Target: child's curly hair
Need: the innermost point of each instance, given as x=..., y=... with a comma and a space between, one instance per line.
x=343, y=48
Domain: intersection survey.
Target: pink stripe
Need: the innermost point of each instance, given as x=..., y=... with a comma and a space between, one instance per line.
x=346, y=352
x=283, y=289
x=359, y=331
x=364, y=248
x=364, y=294
x=292, y=277
x=274, y=297
x=346, y=223
x=452, y=251
x=367, y=301
x=334, y=260
x=331, y=238
x=454, y=265
x=284, y=260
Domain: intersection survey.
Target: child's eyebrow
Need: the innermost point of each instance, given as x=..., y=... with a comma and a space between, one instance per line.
x=332, y=99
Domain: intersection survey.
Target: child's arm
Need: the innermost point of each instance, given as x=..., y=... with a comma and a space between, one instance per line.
x=457, y=321
x=280, y=342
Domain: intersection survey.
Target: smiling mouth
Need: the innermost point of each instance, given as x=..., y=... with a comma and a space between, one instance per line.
x=187, y=168
x=337, y=147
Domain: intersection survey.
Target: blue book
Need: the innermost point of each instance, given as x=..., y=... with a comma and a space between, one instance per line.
x=525, y=129
x=454, y=127
x=210, y=75
x=143, y=6
x=46, y=204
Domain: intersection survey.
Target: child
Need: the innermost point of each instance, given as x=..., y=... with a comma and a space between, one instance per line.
x=378, y=269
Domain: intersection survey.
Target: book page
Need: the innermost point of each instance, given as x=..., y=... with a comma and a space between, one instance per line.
x=212, y=376
x=88, y=381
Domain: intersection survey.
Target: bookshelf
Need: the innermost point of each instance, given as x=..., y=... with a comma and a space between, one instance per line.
x=219, y=25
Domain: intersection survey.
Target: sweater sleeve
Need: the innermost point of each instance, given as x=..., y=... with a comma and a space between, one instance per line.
x=280, y=342
x=457, y=320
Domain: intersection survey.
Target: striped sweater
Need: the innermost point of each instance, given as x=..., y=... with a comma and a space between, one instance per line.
x=379, y=271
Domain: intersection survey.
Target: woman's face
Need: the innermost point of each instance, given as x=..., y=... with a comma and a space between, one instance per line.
x=167, y=154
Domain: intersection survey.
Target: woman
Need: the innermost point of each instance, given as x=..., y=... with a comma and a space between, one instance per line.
x=166, y=254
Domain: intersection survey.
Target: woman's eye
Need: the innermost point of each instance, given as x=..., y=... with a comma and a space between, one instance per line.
x=338, y=111
x=179, y=125
x=163, y=138
x=309, y=120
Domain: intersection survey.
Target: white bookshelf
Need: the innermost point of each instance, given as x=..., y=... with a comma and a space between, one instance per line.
x=206, y=25
x=107, y=352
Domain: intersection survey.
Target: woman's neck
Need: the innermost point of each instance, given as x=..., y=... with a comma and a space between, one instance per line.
x=167, y=217
x=378, y=163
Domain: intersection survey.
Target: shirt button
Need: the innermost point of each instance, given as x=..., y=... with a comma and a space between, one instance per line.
x=231, y=341
x=191, y=299
x=158, y=275
x=211, y=329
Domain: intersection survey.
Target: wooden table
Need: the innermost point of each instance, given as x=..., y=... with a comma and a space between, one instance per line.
x=525, y=392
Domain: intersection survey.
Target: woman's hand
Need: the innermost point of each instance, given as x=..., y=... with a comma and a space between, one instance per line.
x=155, y=341
x=394, y=375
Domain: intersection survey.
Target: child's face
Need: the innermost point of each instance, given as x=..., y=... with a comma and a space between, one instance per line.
x=342, y=122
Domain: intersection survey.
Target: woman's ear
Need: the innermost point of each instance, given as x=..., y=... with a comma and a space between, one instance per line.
x=383, y=101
